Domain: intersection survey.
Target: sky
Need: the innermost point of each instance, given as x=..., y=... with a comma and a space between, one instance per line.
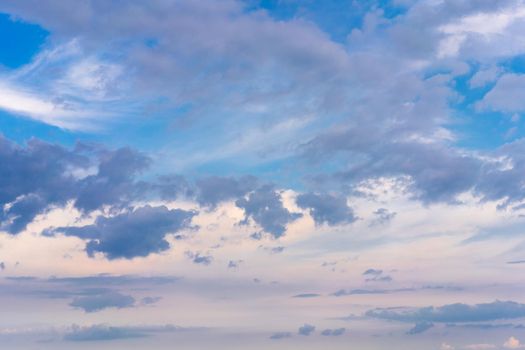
x=262, y=174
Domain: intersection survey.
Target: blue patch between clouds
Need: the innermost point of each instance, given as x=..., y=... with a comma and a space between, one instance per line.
x=19, y=41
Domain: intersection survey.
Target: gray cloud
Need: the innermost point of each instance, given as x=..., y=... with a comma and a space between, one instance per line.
x=420, y=327
x=326, y=208
x=213, y=190
x=105, y=332
x=265, y=207
x=103, y=301
x=306, y=329
x=333, y=332
x=307, y=295
x=198, y=258
x=135, y=233
x=497, y=310
x=281, y=335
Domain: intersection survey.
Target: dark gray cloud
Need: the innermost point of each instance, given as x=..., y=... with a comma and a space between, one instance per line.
x=333, y=332
x=306, y=329
x=420, y=327
x=135, y=233
x=497, y=310
x=94, y=303
x=265, y=207
x=326, y=208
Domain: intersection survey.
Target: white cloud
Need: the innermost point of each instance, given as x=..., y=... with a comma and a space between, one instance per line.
x=513, y=343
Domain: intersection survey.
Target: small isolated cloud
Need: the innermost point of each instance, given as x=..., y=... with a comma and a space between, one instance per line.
x=445, y=346
x=333, y=332
x=233, y=264
x=513, y=343
x=198, y=258
x=420, y=328
x=281, y=335
x=306, y=329
x=94, y=303
x=2, y=266
x=375, y=275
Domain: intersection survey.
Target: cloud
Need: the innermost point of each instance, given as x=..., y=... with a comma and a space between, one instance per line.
x=383, y=216
x=105, y=333
x=281, y=335
x=507, y=95
x=326, y=208
x=306, y=329
x=420, y=328
x=135, y=233
x=445, y=346
x=497, y=310
x=265, y=207
x=150, y=300
x=114, y=183
x=306, y=295
x=198, y=258
x=513, y=343
x=373, y=275
x=214, y=189
x=333, y=332
x=103, y=301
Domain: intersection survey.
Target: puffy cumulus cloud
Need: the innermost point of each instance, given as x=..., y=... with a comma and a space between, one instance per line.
x=498, y=310
x=41, y=175
x=103, y=301
x=306, y=329
x=326, y=208
x=266, y=208
x=135, y=233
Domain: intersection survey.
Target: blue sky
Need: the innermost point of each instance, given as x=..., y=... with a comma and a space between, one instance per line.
x=262, y=174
